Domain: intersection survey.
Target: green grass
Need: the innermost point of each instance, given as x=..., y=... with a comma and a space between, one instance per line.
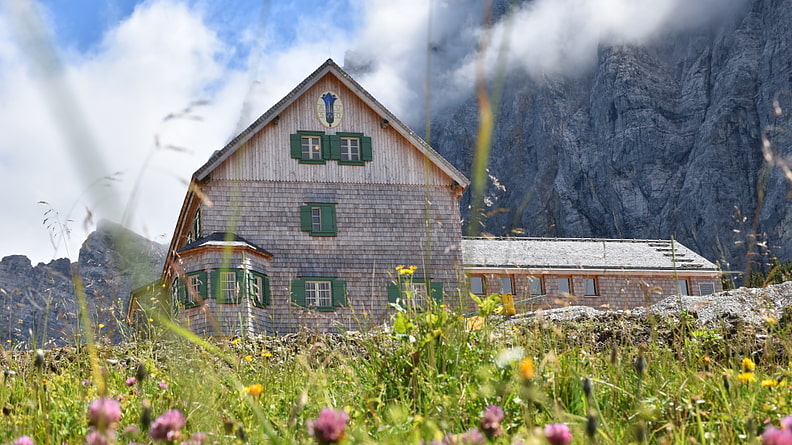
x=423, y=378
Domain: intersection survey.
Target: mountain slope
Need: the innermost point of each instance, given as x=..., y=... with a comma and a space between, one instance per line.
x=654, y=141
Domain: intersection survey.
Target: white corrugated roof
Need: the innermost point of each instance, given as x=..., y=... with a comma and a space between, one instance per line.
x=574, y=253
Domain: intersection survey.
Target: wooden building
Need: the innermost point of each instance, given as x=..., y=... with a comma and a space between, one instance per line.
x=301, y=220
x=614, y=273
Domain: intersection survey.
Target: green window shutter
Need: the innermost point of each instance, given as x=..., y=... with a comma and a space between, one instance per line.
x=326, y=147
x=339, y=293
x=205, y=285
x=329, y=219
x=305, y=218
x=215, y=289
x=298, y=292
x=265, y=291
x=394, y=292
x=241, y=285
x=296, y=146
x=335, y=147
x=365, y=148
x=183, y=297
x=436, y=291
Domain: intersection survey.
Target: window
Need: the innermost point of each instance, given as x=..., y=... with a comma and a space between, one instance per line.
x=706, y=288
x=416, y=290
x=324, y=294
x=177, y=291
x=259, y=290
x=195, y=291
x=228, y=285
x=310, y=147
x=350, y=149
x=315, y=147
x=682, y=287
x=535, y=284
x=506, y=285
x=563, y=286
x=319, y=219
x=590, y=287
x=477, y=285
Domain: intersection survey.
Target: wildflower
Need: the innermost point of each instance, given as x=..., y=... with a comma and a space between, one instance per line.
x=248, y=358
x=748, y=365
x=255, y=390
x=775, y=436
x=236, y=341
x=527, y=368
x=101, y=325
x=196, y=439
x=786, y=423
x=167, y=425
x=329, y=427
x=103, y=413
x=558, y=434
x=470, y=437
x=24, y=440
x=265, y=353
x=490, y=422
x=768, y=382
x=747, y=377
x=87, y=382
x=100, y=438
x=162, y=385
x=131, y=381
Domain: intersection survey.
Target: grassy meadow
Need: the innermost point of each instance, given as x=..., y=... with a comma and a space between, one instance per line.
x=430, y=377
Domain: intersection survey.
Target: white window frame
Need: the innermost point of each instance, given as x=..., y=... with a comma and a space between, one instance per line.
x=350, y=149
x=196, y=284
x=228, y=287
x=706, y=288
x=417, y=291
x=311, y=147
x=318, y=293
x=316, y=219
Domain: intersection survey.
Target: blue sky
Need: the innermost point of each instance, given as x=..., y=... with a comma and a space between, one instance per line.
x=89, y=136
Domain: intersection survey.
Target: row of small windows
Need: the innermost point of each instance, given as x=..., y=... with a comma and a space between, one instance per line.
x=224, y=285
x=319, y=293
x=316, y=147
x=564, y=285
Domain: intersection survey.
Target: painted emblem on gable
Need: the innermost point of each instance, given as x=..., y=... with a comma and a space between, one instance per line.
x=329, y=109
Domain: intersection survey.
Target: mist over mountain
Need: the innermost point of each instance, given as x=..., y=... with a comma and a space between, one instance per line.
x=38, y=304
x=660, y=134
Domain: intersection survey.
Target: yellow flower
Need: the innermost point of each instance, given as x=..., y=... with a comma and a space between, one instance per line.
x=101, y=325
x=236, y=341
x=255, y=390
x=747, y=377
x=265, y=353
x=406, y=270
x=400, y=267
x=248, y=358
x=748, y=365
x=527, y=368
x=769, y=382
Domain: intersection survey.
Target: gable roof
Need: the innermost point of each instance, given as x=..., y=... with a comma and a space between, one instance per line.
x=223, y=239
x=329, y=66
x=575, y=253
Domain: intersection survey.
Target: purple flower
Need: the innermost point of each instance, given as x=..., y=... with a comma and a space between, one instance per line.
x=87, y=382
x=162, y=385
x=98, y=438
x=329, y=427
x=195, y=439
x=131, y=381
x=470, y=437
x=24, y=440
x=491, y=420
x=786, y=423
x=558, y=434
x=168, y=425
x=775, y=436
x=103, y=413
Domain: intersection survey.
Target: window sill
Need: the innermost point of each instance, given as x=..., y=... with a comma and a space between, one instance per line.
x=320, y=308
x=322, y=233
x=351, y=162
x=312, y=161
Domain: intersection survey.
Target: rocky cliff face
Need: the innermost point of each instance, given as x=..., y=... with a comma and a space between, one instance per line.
x=38, y=304
x=655, y=141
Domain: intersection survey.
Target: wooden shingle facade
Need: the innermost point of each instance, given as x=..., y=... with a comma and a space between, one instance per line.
x=612, y=273
x=302, y=218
